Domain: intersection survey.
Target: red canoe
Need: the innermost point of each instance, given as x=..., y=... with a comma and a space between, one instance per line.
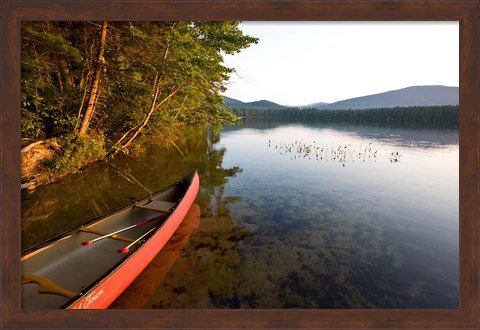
x=90, y=266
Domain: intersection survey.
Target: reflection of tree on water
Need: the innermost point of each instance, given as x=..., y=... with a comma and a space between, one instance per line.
x=208, y=267
x=395, y=136
x=209, y=271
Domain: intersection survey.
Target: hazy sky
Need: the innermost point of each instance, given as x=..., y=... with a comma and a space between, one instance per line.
x=298, y=63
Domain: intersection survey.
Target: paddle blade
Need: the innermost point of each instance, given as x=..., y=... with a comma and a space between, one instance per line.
x=87, y=242
x=123, y=251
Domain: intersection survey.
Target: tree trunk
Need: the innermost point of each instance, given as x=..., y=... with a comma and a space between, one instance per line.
x=95, y=84
x=153, y=107
x=150, y=111
x=69, y=82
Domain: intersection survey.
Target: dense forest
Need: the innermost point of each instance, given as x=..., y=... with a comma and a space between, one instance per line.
x=89, y=89
x=419, y=116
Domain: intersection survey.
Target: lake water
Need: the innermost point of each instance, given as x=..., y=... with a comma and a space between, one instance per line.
x=289, y=215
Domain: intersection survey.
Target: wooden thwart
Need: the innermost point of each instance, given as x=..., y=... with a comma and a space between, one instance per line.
x=47, y=286
x=100, y=233
x=158, y=206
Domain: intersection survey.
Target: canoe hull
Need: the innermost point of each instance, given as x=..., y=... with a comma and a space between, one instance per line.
x=96, y=273
x=105, y=292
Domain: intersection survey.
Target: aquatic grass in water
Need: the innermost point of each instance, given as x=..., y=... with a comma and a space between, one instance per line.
x=323, y=152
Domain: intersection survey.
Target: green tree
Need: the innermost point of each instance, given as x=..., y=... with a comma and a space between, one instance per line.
x=50, y=63
x=175, y=70
x=108, y=83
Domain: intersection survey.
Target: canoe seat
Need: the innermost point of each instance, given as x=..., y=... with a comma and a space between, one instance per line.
x=159, y=206
x=101, y=233
x=47, y=286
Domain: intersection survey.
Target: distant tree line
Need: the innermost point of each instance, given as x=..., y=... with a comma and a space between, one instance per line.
x=417, y=116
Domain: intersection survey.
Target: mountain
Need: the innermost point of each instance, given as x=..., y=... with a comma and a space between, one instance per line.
x=405, y=97
x=314, y=105
x=232, y=103
x=262, y=104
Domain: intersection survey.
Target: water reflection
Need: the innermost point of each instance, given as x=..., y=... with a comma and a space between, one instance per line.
x=277, y=233
x=106, y=186
x=369, y=235
x=210, y=257
x=401, y=136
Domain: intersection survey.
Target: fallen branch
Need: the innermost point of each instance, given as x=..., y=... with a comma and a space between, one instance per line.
x=55, y=145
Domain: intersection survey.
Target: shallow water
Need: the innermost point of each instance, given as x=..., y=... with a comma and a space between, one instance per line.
x=292, y=216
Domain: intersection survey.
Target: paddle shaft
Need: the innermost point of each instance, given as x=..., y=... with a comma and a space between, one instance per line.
x=125, y=249
x=141, y=223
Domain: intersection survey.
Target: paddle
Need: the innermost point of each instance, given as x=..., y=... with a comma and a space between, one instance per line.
x=125, y=249
x=119, y=231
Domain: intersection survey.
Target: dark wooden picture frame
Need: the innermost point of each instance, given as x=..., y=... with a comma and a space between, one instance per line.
x=466, y=12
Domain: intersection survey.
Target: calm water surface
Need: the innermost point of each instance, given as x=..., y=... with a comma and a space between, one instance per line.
x=291, y=216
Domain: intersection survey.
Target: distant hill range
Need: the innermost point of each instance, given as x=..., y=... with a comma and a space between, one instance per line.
x=405, y=97
x=263, y=104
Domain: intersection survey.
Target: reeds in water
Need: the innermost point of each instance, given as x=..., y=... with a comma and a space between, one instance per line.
x=342, y=153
